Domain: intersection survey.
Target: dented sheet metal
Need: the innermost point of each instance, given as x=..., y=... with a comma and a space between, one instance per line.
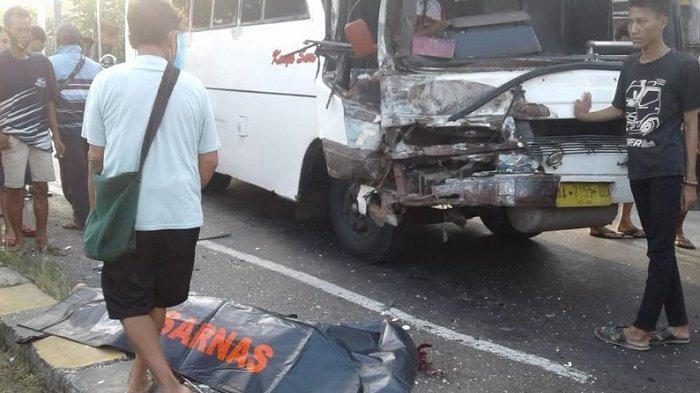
x=362, y=126
x=345, y=162
x=430, y=100
x=501, y=190
x=404, y=151
x=242, y=349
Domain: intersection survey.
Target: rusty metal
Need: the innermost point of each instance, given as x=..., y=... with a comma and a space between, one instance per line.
x=404, y=151
x=531, y=190
x=400, y=179
x=344, y=162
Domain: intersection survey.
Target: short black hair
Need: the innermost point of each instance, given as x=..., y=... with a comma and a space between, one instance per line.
x=15, y=12
x=661, y=7
x=150, y=21
x=68, y=34
x=38, y=33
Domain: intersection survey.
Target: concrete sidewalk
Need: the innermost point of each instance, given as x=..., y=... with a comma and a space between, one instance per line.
x=65, y=366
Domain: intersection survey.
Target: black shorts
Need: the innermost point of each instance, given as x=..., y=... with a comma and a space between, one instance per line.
x=156, y=275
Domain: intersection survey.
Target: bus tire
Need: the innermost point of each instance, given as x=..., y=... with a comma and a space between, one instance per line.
x=498, y=223
x=359, y=234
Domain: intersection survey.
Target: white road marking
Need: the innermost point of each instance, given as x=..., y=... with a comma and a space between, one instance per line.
x=427, y=326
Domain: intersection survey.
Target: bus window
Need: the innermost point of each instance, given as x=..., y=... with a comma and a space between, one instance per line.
x=225, y=12
x=279, y=9
x=201, y=15
x=251, y=11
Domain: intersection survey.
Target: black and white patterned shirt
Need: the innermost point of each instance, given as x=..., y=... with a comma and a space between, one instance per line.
x=26, y=88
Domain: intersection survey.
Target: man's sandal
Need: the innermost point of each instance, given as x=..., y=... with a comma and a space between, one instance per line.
x=616, y=336
x=635, y=233
x=665, y=337
x=684, y=242
x=607, y=234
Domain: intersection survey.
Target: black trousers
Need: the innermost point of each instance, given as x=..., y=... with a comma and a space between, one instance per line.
x=658, y=203
x=74, y=175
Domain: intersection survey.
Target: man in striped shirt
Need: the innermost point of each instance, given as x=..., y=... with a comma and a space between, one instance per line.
x=27, y=116
x=74, y=73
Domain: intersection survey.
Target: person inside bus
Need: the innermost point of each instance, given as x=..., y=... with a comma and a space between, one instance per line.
x=430, y=18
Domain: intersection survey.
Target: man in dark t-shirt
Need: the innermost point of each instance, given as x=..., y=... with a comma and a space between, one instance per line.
x=659, y=95
x=28, y=92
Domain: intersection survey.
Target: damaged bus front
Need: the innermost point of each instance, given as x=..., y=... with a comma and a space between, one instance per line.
x=464, y=109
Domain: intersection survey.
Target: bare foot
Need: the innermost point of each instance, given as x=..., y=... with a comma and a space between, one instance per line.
x=680, y=332
x=637, y=336
x=141, y=384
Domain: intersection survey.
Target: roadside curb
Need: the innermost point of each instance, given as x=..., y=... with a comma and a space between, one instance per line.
x=65, y=366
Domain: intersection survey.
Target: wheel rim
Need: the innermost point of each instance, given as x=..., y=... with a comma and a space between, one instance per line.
x=361, y=225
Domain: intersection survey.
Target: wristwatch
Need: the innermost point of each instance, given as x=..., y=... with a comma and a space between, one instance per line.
x=690, y=183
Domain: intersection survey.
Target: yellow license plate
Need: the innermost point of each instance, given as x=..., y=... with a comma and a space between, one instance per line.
x=584, y=195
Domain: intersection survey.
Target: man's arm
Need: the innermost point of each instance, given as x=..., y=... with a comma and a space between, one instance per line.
x=53, y=125
x=582, y=111
x=207, y=164
x=690, y=126
x=96, y=156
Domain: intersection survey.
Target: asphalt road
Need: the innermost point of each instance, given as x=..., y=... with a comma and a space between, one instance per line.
x=539, y=300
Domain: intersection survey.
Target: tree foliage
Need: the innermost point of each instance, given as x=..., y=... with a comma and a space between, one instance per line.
x=84, y=17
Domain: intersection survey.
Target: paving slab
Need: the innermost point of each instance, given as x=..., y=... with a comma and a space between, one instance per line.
x=110, y=378
x=23, y=297
x=62, y=353
x=9, y=278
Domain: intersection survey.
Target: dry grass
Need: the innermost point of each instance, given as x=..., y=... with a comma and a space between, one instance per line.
x=16, y=374
x=39, y=269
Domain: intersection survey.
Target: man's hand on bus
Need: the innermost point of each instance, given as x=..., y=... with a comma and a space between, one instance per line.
x=582, y=110
x=583, y=106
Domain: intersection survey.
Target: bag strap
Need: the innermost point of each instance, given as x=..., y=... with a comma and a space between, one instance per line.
x=71, y=77
x=167, y=84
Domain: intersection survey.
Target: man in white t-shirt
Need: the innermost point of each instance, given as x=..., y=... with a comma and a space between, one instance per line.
x=430, y=18
x=139, y=287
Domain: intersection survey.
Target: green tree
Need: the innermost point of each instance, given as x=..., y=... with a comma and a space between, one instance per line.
x=84, y=17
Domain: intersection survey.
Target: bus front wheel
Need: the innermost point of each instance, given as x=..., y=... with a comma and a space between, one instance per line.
x=358, y=233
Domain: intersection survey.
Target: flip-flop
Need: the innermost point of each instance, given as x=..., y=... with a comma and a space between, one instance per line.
x=685, y=243
x=635, y=233
x=665, y=337
x=28, y=232
x=616, y=336
x=607, y=234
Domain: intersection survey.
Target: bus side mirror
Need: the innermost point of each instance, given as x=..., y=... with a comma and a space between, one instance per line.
x=361, y=39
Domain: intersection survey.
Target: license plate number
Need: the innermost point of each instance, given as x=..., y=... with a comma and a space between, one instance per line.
x=584, y=195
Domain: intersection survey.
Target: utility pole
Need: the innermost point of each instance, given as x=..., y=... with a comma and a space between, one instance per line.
x=56, y=13
x=99, y=29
